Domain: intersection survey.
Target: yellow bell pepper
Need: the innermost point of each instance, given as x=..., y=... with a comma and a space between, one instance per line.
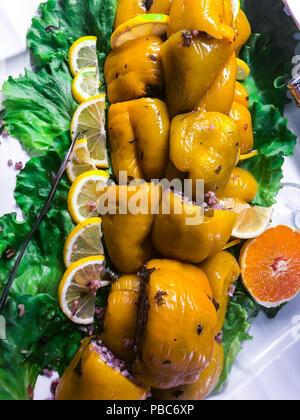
x=219, y=97
x=191, y=65
x=222, y=271
x=241, y=115
x=200, y=15
x=127, y=236
x=139, y=138
x=242, y=185
x=89, y=377
x=241, y=95
x=228, y=13
x=206, y=145
x=120, y=322
x=128, y=9
x=242, y=29
x=134, y=70
x=200, y=389
x=177, y=325
x=174, y=238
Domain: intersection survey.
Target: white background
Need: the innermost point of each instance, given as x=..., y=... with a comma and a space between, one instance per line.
x=268, y=367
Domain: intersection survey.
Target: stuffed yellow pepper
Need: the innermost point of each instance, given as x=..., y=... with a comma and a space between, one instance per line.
x=173, y=237
x=241, y=95
x=128, y=9
x=242, y=186
x=202, y=16
x=222, y=271
x=242, y=30
x=241, y=115
x=191, y=65
x=134, y=70
x=120, y=322
x=139, y=138
x=128, y=236
x=219, y=97
x=176, y=325
x=200, y=389
x=206, y=145
x=96, y=373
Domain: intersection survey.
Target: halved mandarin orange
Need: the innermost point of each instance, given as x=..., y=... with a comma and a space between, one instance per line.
x=270, y=266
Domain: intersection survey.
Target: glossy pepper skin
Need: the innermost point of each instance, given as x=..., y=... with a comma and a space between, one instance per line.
x=222, y=271
x=200, y=389
x=220, y=95
x=241, y=95
x=128, y=9
x=241, y=115
x=177, y=336
x=139, y=133
x=120, y=322
x=201, y=15
x=206, y=145
x=242, y=185
x=242, y=29
x=134, y=70
x=127, y=236
x=191, y=65
x=88, y=377
x=174, y=238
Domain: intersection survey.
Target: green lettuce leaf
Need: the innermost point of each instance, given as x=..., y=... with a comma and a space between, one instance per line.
x=64, y=21
x=241, y=312
x=26, y=349
x=39, y=108
x=42, y=266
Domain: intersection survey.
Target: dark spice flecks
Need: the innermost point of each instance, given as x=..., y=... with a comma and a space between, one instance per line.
x=78, y=369
x=219, y=169
x=148, y=4
x=187, y=38
x=9, y=253
x=199, y=329
x=216, y=304
x=152, y=57
x=159, y=298
x=133, y=141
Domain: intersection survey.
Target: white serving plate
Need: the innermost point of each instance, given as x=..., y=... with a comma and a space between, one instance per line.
x=268, y=367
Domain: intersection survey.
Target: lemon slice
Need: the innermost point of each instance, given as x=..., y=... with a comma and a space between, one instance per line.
x=89, y=122
x=234, y=204
x=243, y=70
x=252, y=222
x=236, y=6
x=143, y=25
x=83, y=195
x=84, y=241
x=78, y=288
x=248, y=155
x=80, y=160
x=83, y=54
x=86, y=84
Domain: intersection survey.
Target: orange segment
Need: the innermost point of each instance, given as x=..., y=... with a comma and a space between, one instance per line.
x=271, y=266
